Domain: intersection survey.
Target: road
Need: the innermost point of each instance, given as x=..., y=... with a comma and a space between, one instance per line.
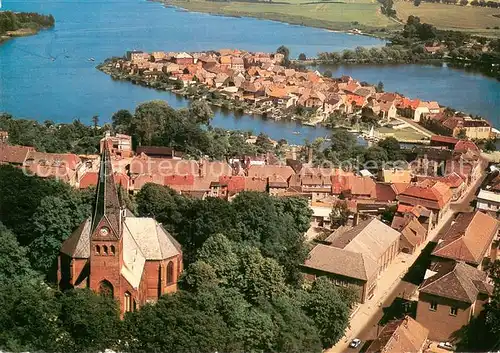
x=399, y=292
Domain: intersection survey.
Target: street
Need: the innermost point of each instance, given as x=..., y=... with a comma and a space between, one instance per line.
x=393, y=297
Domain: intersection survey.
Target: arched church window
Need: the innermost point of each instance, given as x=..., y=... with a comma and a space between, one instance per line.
x=106, y=289
x=97, y=250
x=127, y=302
x=112, y=250
x=170, y=272
x=105, y=249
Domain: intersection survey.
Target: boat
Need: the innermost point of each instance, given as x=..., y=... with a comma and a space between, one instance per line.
x=91, y=59
x=296, y=132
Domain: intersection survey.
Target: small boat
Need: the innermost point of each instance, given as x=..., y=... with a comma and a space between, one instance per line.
x=91, y=59
x=296, y=132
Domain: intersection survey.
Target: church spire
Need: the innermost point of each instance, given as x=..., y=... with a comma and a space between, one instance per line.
x=107, y=204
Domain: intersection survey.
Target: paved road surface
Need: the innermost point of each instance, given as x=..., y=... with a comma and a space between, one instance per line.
x=367, y=329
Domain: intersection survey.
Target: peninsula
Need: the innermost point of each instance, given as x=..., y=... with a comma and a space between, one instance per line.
x=267, y=84
x=18, y=24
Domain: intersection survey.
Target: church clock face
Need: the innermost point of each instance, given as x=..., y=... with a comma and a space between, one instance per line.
x=104, y=231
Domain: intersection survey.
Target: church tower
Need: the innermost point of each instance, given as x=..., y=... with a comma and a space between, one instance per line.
x=106, y=244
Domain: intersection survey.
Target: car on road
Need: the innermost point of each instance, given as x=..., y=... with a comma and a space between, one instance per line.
x=447, y=345
x=355, y=343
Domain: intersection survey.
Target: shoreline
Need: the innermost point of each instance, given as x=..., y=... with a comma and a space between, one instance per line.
x=294, y=21
x=22, y=32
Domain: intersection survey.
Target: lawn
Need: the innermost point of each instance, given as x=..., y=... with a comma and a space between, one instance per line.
x=473, y=19
x=341, y=15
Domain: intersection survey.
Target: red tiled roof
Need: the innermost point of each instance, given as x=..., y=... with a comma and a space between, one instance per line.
x=437, y=193
x=465, y=145
x=469, y=238
x=266, y=171
x=90, y=179
x=453, y=180
x=401, y=335
x=444, y=139
x=13, y=154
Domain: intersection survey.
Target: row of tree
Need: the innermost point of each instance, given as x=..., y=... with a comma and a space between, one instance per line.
x=481, y=3
x=11, y=21
x=153, y=123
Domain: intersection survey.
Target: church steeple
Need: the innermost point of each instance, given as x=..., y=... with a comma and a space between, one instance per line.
x=107, y=206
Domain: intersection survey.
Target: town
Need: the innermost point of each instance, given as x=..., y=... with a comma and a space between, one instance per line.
x=267, y=84
x=368, y=232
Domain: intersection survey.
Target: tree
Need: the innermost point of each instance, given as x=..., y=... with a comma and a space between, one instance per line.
x=375, y=158
x=14, y=264
x=380, y=86
x=462, y=134
x=286, y=55
x=342, y=146
x=328, y=309
x=92, y=320
x=201, y=112
x=263, y=143
x=339, y=215
x=493, y=307
x=302, y=57
x=122, y=121
x=490, y=145
x=53, y=222
x=95, y=122
x=392, y=148
x=152, y=119
x=327, y=73
x=417, y=2
x=29, y=318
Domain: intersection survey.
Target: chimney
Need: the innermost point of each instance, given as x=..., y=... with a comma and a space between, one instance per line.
x=310, y=156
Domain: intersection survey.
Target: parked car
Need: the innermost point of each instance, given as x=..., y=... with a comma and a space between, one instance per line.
x=355, y=343
x=447, y=345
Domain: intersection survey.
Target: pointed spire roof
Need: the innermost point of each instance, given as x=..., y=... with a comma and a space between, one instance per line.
x=107, y=204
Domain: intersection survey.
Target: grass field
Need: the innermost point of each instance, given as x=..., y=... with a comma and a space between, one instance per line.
x=473, y=19
x=341, y=15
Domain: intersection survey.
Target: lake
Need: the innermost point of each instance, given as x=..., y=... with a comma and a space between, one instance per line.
x=49, y=76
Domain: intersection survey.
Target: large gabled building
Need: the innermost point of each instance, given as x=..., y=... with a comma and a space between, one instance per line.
x=133, y=259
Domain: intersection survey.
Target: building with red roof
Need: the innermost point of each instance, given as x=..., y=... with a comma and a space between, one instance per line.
x=433, y=195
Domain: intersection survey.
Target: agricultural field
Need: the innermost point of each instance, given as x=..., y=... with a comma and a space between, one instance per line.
x=468, y=18
x=335, y=15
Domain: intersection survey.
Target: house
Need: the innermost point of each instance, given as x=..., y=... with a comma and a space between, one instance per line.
x=354, y=257
x=4, y=136
x=413, y=233
x=489, y=202
x=119, y=145
x=133, y=260
x=63, y=166
x=471, y=239
x=443, y=141
x=90, y=178
x=454, y=181
x=450, y=296
x=433, y=195
x=13, y=155
x=183, y=58
x=237, y=64
x=468, y=165
x=276, y=185
x=159, y=152
x=395, y=175
x=283, y=172
x=400, y=336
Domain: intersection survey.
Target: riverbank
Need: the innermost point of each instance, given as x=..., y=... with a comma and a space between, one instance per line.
x=357, y=17
x=22, y=24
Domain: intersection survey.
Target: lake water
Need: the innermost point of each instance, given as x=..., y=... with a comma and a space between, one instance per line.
x=49, y=76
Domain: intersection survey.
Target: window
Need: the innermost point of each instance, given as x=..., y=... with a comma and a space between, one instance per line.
x=127, y=302
x=433, y=306
x=170, y=272
x=106, y=289
x=97, y=250
x=112, y=250
x=105, y=249
x=453, y=311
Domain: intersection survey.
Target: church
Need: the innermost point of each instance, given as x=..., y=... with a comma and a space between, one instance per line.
x=133, y=259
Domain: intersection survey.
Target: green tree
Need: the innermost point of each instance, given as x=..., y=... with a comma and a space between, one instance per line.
x=29, y=318
x=53, y=222
x=462, y=134
x=493, y=307
x=302, y=57
x=122, y=121
x=339, y=215
x=325, y=305
x=328, y=73
x=380, y=86
x=92, y=321
x=391, y=147
x=152, y=119
x=14, y=263
x=263, y=143
x=201, y=112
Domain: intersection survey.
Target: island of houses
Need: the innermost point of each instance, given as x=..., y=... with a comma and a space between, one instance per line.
x=259, y=83
x=355, y=254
